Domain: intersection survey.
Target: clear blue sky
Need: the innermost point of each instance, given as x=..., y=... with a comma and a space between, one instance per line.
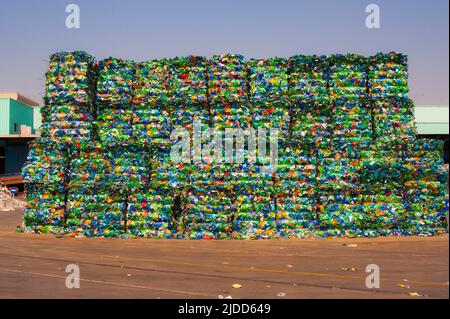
x=138, y=29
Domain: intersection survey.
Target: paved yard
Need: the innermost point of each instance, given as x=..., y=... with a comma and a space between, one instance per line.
x=33, y=266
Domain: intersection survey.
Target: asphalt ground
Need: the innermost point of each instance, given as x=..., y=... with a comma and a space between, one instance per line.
x=34, y=266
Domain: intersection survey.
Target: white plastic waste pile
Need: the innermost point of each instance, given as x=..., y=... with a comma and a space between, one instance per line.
x=7, y=200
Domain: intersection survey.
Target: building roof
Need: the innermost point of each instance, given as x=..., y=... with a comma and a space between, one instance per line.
x=432, y=119
x=19, y=98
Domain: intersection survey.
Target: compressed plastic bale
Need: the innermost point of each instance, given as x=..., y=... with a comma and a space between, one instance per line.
x=106, y=216
x=430, y=188
x=95, y=211
x=189, y=80
x=152, y=83
x=67, y=131
x=276, y=116
x=227, y=78
x=300, y=174
x=426, y=149
x=70, y=78
x=427, y=215
x=388, y=75
x=381, y=211
x=45, y=209
x=254, y=218
x=348, y=76
x=422, y=170
x=341, y=211
x=232, y=114
x=115, y=83
x=89, y=165
x=70, y=86
x=296, y=168
x=130, y=168
x=295, y=210
x=394, y=120
x=150, y=126
x=382, y=167
x=311, y=123
x=114, y=126
x=268, y=81
x=166, y=175
x=338, y=173
x=66, y=113
x=208, y=212
x=148, y=215
x=185, y=117
x=352, y=123
x=308, y=78
x=46, y=163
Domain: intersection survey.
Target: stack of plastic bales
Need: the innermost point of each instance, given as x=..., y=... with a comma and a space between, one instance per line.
x=228, y=92
x=45, y=177
x=149, y=206
x=294, y=190
x=230, y=85
x=346, y=161
x=150, y=123
x=253, y=184
x=189, y=111
x=189, y=91
x=94, y=207
x=338, y=183
x=268, y=84
x=167, y=192
x=101, y=174
x=116, y=80
x=309, y=95
x=425, y=187
x=339, y=202
x=388, y=90
x=393, y=127
x=382, y=177
x=70, y=83
x=209, y=211
x=250, y=187
x=351, y=110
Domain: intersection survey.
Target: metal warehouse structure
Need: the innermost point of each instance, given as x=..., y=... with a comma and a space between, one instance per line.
x=19, y=120
x=432, y=122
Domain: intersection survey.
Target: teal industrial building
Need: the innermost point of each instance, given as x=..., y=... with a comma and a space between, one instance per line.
x=19, y=124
